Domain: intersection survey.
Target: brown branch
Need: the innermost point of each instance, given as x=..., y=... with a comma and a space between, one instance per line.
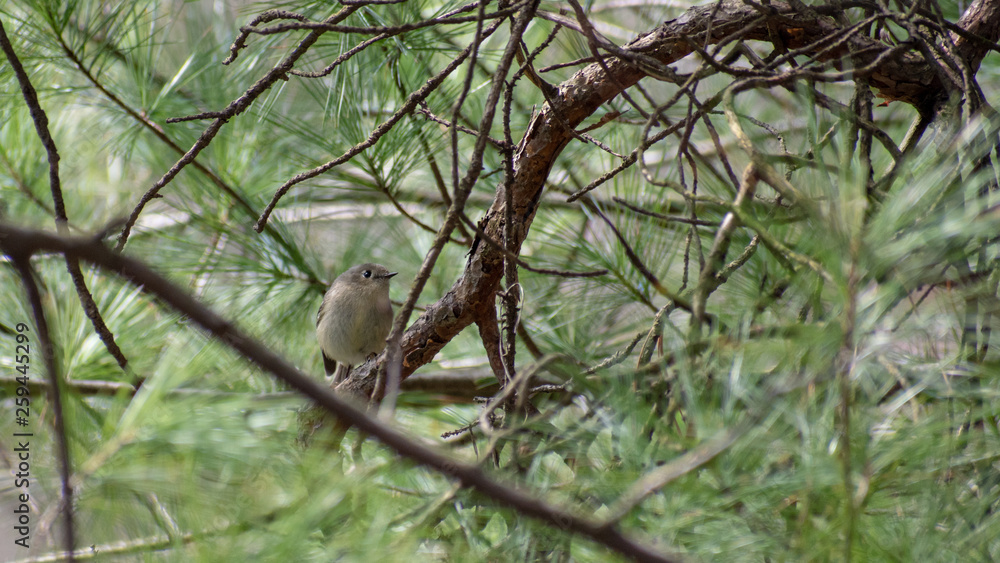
x=22, y=261
x=343, y=57
x=977, y=32
x=485, y=237
x=62, y=220
x=267, y=16
x=381, y=30
x=489, y=335
x=665, y=218
x=426, y=112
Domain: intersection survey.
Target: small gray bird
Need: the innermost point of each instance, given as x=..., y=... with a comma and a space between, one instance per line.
x=354, y=319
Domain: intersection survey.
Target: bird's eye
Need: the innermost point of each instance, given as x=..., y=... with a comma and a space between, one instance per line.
x=367, y=274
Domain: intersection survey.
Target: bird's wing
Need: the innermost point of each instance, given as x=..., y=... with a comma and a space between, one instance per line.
x=319, y=314
x=330, y=365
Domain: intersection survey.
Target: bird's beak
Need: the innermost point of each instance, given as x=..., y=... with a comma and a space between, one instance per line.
x=389, y=275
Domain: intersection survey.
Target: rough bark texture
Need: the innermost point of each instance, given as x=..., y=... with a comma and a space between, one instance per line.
x=905, y=77
x=982, y=19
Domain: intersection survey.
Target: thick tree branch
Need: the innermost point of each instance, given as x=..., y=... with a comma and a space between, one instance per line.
x=904, y=76
x=981, y=21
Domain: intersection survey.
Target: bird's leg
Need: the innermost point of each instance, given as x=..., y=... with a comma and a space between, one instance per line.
x=343, y=370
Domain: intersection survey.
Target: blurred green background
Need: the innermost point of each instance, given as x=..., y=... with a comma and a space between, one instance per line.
x=201, y=463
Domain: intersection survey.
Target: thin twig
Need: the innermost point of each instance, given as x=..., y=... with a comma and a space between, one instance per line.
x=484, y=236
x=739, y=261
x=662, y=217
x=665, y=474
x=636, y=261
x=394, y=352
x=707, y=280
x=511, y=297
x=616, y=358
x=42, y=128
x=509, y=390
x=22, y=262
x=426, y=112
x=654, y=335
x=378, y=29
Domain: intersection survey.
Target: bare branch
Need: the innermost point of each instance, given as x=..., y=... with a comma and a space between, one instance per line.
x=62, y=220
x=22, y=257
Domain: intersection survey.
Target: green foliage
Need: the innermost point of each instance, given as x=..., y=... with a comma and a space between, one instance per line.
x=861, y=388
